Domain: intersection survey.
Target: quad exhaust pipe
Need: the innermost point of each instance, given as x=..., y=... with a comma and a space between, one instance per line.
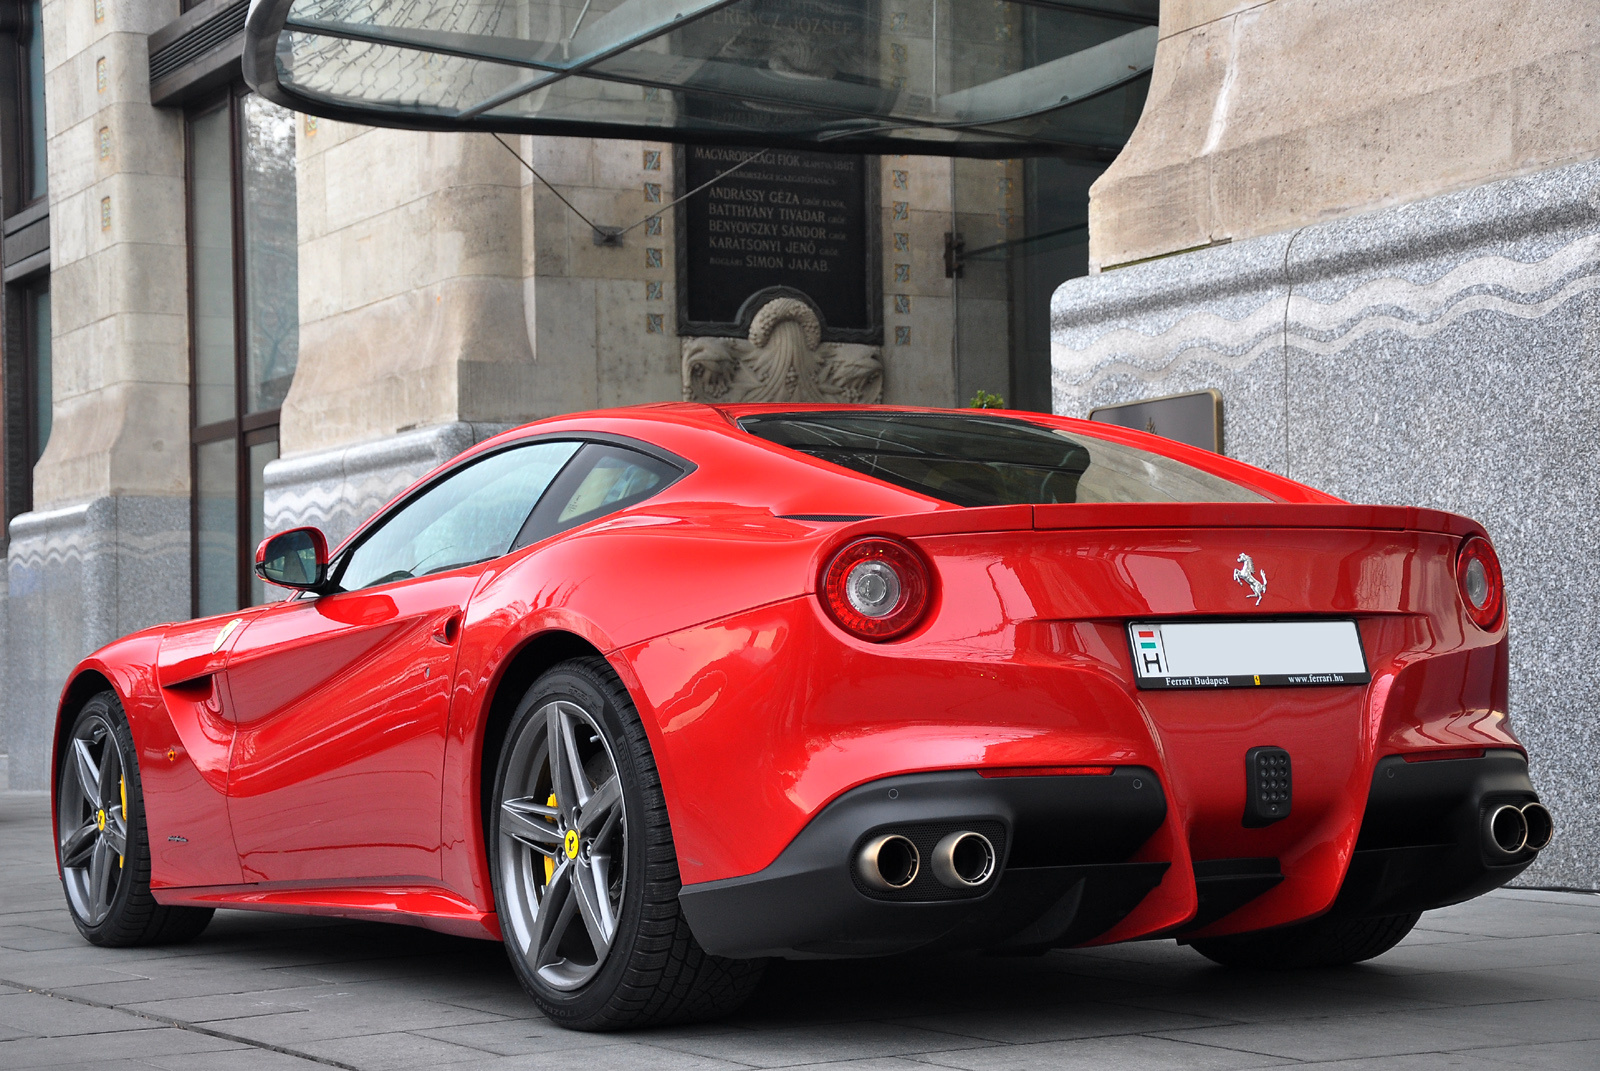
x=1511, y=828
x=961, y=860
x=888, y=862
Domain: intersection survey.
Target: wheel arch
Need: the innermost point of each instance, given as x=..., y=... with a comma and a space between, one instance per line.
x=538, y=654
x=84, y=685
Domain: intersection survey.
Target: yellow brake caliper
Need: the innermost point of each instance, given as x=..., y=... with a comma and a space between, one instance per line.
x=122, y=786
x=549, y=862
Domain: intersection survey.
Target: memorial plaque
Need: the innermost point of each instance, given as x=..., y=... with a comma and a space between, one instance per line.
x=1194, y=418
x=789, y=223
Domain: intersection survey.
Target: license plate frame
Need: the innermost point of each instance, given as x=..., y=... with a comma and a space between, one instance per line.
x=1251, y=653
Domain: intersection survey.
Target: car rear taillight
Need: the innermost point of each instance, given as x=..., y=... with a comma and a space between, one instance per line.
x=876, y=588
x=1478, y=579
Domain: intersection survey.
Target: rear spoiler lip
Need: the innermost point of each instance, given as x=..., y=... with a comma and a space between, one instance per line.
x=1252, y=515
x=1163, y=515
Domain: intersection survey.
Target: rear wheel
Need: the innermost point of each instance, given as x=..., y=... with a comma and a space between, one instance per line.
x=585, y=873
x=100, y=830
x=1330, y=941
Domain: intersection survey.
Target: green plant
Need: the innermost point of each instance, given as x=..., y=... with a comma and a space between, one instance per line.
x=984, y=400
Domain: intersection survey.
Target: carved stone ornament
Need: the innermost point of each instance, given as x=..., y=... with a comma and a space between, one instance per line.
x=785, y=360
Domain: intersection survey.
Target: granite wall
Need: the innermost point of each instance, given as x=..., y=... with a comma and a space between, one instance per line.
x=1444, y=353
x=77, y=578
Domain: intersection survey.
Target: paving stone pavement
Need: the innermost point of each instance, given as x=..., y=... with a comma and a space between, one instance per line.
x=1511, y=980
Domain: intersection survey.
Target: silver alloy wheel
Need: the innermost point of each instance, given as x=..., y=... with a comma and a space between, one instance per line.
x=91, y=820
x=563, y=845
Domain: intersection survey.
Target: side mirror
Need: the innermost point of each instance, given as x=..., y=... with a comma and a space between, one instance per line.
x=295, y=559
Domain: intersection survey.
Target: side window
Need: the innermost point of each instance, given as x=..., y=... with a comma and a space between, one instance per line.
x=469, y=517
x=602, y=479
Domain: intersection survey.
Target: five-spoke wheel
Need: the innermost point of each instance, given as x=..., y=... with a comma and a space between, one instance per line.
x=563, y=844
x=585, y=875
x=91, y=818
x=100, y=831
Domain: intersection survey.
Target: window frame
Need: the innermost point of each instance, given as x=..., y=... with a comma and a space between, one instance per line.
x=246, y=429
x=22, y=133
x=341, y=557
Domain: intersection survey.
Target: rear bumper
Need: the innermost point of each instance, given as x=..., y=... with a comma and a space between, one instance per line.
x=1421, y=843
x=1063, y=874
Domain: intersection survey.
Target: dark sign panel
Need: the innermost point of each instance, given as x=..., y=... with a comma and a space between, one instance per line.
x=1194, y=418
x=788, y=221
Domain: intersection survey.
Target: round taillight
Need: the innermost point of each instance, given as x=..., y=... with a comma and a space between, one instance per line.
x=1478, y=579
x=876, y=588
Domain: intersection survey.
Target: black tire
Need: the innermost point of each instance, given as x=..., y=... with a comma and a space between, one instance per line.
x=131, y=915
x=1330, y=941
x=654, y=972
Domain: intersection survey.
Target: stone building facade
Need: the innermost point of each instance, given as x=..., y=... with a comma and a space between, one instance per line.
x=261, y=319
x=1370, y=226
x=1375, y=229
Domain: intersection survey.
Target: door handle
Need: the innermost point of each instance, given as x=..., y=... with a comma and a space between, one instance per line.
x=449, y=630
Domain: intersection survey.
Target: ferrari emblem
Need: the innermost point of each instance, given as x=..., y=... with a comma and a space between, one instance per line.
x=571, y=844
x=100, y=821
x=1246, y=575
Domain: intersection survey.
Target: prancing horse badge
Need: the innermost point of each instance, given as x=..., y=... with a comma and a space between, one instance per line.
x=1245, y=575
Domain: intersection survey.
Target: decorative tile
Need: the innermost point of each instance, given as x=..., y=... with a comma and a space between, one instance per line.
x=1003, y=185
x=902, y=336
x=901, y=210
x=897, y=53
x=105, y=213
x=652, y=193
x=652, y=290
x=902, y=242
x=902, y=304
x=902, y=273
x=311, y=126
x=652, y=258
x=897, y=82
x=102, y=79
x=99, y=10
x=105, y=143
x=902, y=179
x=652, y=94
x=652, y=226
x=652, y=159
x=653, y=324
x=897, y=22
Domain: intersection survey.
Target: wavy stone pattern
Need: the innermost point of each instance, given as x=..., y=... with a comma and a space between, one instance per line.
x=78, y=578
x=1444, y=353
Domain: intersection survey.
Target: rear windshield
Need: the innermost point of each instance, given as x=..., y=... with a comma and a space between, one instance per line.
x=992, y=460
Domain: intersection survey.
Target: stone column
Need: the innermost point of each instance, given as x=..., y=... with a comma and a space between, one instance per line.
x=411, y=316
x=106, y=549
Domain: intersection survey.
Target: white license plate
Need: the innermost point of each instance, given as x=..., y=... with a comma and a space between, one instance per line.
x=1246, y=654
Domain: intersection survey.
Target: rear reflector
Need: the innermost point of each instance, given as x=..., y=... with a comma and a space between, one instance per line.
x=1046, y=771
x=1454, y=753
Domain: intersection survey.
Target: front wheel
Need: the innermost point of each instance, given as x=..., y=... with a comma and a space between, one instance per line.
x=585, y=873
x=1329, y=941
x=100, y=832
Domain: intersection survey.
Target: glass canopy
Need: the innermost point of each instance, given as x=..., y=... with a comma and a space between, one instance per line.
x=938, y=77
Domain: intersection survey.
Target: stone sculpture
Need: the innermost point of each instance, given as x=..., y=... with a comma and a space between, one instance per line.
x=784, y=360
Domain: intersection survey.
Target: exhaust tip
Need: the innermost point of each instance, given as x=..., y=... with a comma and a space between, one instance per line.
x=963, y=860
x=1507, y=829
x=1541, y=825
x=888, y=862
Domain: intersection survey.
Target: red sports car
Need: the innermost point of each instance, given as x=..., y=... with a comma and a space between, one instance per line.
x=654, y=694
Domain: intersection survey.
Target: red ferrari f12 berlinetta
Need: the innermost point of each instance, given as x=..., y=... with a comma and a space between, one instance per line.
x=655, y=694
